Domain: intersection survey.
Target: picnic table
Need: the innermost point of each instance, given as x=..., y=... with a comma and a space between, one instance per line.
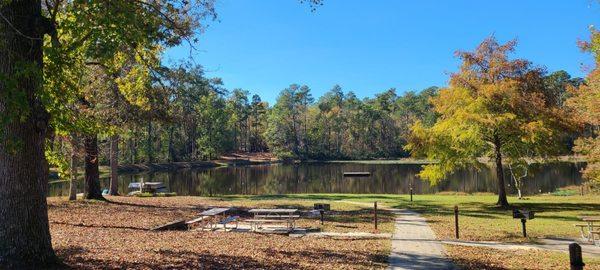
x=590, y=236
x=274, y=215
x=213, y=217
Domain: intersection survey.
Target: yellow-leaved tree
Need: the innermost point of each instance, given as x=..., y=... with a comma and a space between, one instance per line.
x=585, y=101
x=494, y=109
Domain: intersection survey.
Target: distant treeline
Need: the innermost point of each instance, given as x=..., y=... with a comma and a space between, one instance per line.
x=199, y=120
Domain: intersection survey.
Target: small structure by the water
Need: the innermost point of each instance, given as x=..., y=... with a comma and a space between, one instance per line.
x=149, y=187
x=357, y=174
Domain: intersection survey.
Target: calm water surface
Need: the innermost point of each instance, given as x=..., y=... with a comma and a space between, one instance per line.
x=328, y=178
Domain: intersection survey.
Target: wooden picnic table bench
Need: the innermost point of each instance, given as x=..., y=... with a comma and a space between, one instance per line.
x=229, y=219
x=256, y=223
x=595, y=234
x=214, y=216
x=591, y=232
x=273, y=216
x=276, y=216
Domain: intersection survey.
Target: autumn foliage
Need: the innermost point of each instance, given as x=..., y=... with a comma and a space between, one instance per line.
x=585, y=101
x=495, y=108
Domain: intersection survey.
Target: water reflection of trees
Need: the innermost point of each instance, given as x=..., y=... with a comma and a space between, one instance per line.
x=328, y=178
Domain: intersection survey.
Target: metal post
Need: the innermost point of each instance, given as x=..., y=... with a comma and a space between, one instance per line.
x=575, y=257
x=524, y=221
x=456, y=220
x=411, y=193
x=375, y=206
x=322, y=213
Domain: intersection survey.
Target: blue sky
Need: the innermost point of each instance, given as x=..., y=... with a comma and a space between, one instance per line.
x=370, y=46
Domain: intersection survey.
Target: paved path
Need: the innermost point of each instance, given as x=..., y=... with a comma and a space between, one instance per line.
x=412, y=245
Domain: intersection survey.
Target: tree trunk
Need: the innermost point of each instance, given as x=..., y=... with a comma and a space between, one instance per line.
x=92, y=174
x=24, y=232
x=149, y=150
x=172, y=157
x=114, y=165
x=73, y=164
x=132, y=151
x=502, y=201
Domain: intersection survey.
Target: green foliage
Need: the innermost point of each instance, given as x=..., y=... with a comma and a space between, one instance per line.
x=565, y=192
x=15, y=101
x=493, y=104
x=285, y=134
x=341, y=126
x=213, y=138
x=57, y=160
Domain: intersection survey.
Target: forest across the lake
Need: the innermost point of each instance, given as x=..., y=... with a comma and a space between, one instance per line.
x=200, y=120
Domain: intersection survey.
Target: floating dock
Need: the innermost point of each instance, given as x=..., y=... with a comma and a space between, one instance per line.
x=357, y=174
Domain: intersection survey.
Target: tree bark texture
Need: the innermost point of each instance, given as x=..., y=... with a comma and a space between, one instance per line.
x=502, y=200
x=24, y=232
x=92, y=173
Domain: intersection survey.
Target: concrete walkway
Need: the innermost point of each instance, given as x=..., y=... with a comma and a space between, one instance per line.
x=414, y=244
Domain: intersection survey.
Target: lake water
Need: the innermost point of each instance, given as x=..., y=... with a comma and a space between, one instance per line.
x=328, y=178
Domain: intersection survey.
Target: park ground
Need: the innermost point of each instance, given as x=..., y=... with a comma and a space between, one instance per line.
x=114, y=234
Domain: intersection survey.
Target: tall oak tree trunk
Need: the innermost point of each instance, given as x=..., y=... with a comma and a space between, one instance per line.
x=24, y=232
x=92, y=173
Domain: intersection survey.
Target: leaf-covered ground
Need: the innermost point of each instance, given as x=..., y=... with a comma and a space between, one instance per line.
x=494, y=259
x=115, y=235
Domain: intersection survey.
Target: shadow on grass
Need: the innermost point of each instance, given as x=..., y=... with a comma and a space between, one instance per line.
x=491, y=211
x=99, y=226
x=145, y=205
x=357, y=216
x=467, y=264
x=80, y=258
x=355, y=258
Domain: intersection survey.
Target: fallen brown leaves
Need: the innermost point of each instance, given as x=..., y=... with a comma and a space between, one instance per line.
x=494, y=259
x=114, y=235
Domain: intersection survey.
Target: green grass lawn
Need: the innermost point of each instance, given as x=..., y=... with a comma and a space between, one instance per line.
x=479, y=218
